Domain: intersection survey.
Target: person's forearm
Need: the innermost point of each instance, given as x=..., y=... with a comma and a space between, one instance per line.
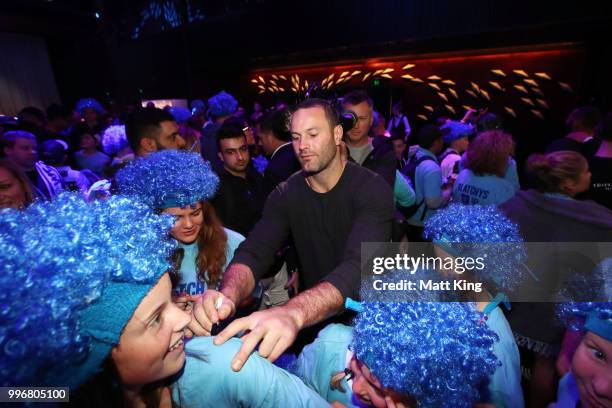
x=238, y=282
x=315, y=304
x=447, y=193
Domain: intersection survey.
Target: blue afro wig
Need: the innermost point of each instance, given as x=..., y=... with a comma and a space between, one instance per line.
x=114, y=139
x=71, y=275
x=455, y=130
x=481, y=231
x=88, y=103
x=588, y=316
x=222, y=104
x=441, y=354
x=169, y=178
x=181, y=115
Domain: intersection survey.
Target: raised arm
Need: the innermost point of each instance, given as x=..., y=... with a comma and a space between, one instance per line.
x=277, y=328
x=252, y=259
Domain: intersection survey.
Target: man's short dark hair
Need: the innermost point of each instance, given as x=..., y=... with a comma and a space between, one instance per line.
x=276, y=122
x=397, y=137
x=52, y=152
x=56, y=110
x=33, y=111
x=489, y=121
x=428, y=135
x=230, y=129
x=142, y=122
x=330, y=111
x=357, y=97
x=584, y=118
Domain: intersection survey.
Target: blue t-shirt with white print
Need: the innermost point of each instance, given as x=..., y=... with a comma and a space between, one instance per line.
x=189, y=282
x=510, y=175
x=470, y=188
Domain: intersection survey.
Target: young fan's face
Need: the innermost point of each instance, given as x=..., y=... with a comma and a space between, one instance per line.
x=88, y=141
x=11, y=190
x=151, y=345
x=188, y=222
x=592, y=370
x=461, y=145
x=367, y=389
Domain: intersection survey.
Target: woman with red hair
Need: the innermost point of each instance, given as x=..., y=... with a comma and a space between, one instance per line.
x=482, y=179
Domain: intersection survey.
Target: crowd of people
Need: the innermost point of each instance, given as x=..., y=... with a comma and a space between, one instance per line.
x=213, y=256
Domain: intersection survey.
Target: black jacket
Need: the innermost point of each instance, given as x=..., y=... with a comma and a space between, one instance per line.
x=282, y=164
x=239, y=202
x=382, y=160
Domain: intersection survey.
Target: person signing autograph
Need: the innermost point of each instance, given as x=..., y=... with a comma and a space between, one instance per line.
x=330, y=208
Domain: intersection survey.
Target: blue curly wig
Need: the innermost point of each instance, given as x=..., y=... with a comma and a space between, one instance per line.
x=169, y=178
x=587, y=316
x=114, y=139
x=481, y=231
x=181, y=115
x=455, y=130
x=439, y=353
x=71, y=275
x=222, y=104
x=88, y=103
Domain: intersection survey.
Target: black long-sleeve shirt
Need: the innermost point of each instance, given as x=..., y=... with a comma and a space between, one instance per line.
x=239, y=201
x=327, y=228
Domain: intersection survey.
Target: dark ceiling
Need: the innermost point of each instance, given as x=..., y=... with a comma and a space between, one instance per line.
x=189, y=48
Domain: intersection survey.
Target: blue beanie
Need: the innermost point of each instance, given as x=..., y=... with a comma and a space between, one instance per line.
x=455, y=130
x=481, y=231
x=71, y=275
x=168, y=178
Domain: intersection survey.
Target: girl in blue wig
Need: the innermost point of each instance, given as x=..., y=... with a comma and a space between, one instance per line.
x=86, y=304
x=589, y=381
x=404, y=352
x=180, y=183
x=484, y=232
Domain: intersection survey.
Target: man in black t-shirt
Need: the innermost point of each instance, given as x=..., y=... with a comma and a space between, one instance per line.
x=329, y=208
x=240, y=199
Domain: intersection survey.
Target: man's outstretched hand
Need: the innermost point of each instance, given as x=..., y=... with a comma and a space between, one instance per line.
x=206, y=313
x=273, y=329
